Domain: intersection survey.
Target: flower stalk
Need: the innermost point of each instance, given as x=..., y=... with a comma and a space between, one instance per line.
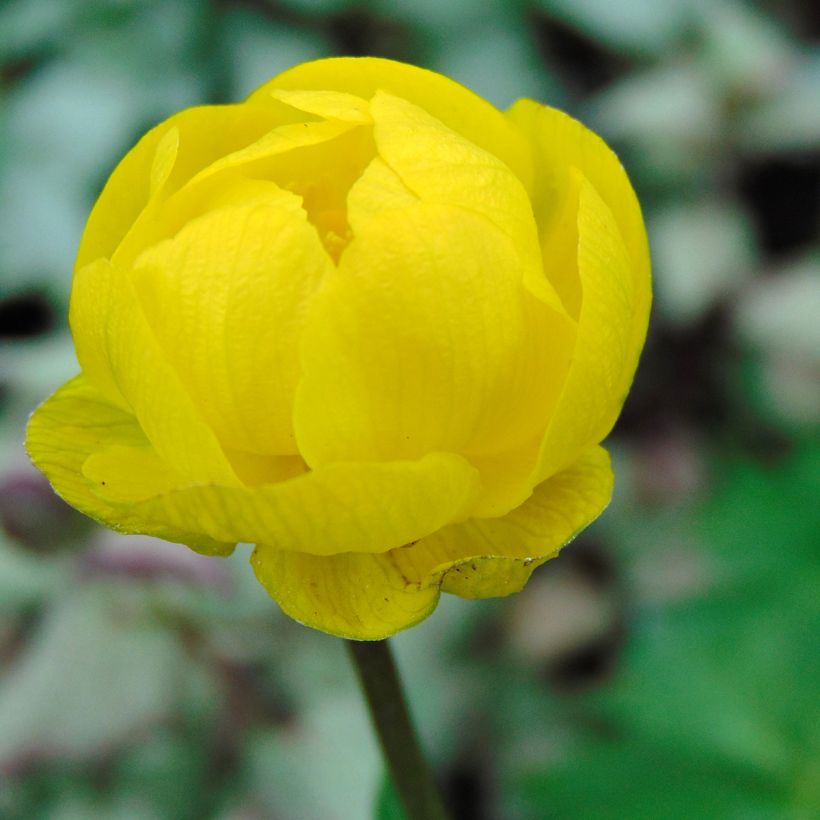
x=409, y=771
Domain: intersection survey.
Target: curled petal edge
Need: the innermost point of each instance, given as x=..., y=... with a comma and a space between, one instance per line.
x=91, y=451
x=370, y=597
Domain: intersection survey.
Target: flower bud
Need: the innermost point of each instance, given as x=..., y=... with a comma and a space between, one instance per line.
x=363, y=320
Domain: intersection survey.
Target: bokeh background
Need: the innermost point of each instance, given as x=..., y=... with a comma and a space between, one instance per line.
x=664, y=666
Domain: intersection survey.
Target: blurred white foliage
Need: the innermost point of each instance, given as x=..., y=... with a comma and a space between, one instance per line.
x=743, y=49
x=95, y=673
x=69, y=123
x=789, y=118
x=702, y=253
x=670, y=114
x=326, y=768
x=778, y=317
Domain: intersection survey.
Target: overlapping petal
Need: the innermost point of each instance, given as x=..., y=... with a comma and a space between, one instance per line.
x=352, y=595
x=367, y=507
x=368, y=597
x=487, y=557
x=78, y=421
x=317, y=161
x=440, y=166
x=392, y=370
x=454, y=105
x=226, y=299
x=118, y=351
x=166, y=157
x=588, y=214
x=99, y=460
x=604, y=359
x=558, y=143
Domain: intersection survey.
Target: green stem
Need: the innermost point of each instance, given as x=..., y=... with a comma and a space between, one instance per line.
x=408, y=769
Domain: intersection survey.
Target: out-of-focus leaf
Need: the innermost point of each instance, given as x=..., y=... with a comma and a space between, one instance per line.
x=499, y=62
x=258, y=49
x=447, y=18
x=789, y=118
x=319, y=7
x=702, y=252
x=28, y=25
x=742, y=49
x=76, y=805
x=171, y=769
x=670, y=114
x=325, y=768
x=388, y=806
x=779, y=314
x=620, y=779
x=777, y=318
x=26, y=579
x=634, y=26
x=714, y=711
x=95, y=673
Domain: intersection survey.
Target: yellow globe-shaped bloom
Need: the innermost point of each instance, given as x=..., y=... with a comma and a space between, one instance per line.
x=363, y=320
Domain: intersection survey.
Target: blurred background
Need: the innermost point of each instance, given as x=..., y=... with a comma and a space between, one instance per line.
x=665, y=666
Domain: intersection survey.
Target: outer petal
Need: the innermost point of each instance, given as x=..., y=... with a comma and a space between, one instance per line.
x=116, y=347
x=352, y=595
x=605, y=354
x=340, y=508
x=167, y=156
x=369, y=597
x=425, y=340
x=98, y=459
x=293, y=156
x=488, y=557
x=559, y=143
x=78, y=421
x=453, y=104
x=226, y=298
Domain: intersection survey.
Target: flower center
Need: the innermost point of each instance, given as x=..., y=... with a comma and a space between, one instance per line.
x=322, y=175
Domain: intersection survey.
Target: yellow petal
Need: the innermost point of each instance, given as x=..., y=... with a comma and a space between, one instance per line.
x=425, y=340
x=116, y=346
x=317, y=161
x=369, y=597
x=456, y=106
x=559, y=143
x=226, y=299
x=329, y=105
x=98, y=459
x=351, y=595
x=165, y=158
x=377, y=190
x=90, y=305
x=440, y=166
x=605, y=355
x=487, y=557
x=77, y=423
x=129, y=473
x=340, y=508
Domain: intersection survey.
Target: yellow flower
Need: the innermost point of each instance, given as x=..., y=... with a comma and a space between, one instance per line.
x=363, y=320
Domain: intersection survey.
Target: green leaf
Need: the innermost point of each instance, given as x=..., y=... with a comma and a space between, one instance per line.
x=388, y=805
